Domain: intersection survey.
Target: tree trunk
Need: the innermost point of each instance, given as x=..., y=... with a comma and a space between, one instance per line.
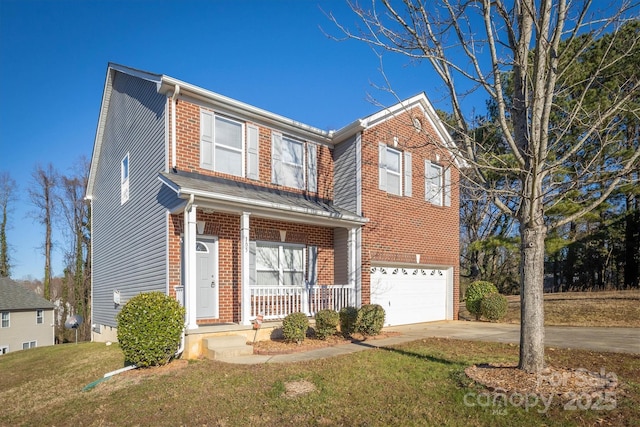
x=531, y=299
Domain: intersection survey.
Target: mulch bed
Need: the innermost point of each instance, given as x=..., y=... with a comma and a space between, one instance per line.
x=279, y=346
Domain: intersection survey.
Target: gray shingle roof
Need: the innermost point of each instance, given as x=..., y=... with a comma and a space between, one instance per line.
x=216, y=187
x=16, y=297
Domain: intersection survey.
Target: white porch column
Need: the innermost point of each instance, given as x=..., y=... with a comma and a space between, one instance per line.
x=245, y=270
x=190, y=265
x=352, y=265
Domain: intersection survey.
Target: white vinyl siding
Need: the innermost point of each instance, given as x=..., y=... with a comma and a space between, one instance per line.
x=390, y=170
x=290, y=164
x=221, y=144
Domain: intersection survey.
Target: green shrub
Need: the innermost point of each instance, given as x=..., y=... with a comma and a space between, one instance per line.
x=370, y=319
x=326, y=323
x=294, y=327
x=474, y=294
x=149, y=329
x=348, y=319
x=494, y=306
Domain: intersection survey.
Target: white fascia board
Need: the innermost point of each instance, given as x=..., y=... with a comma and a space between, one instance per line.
x=97, y=143
x=347, y=131
x=167, y=84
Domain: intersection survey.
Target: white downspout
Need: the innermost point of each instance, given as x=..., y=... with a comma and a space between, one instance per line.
x=174, y=98
x=186, y=291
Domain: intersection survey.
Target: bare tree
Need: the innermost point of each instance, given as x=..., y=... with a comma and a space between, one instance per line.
x=42, y=194
x=76, y=286
x=522, y=54
x=8, y=189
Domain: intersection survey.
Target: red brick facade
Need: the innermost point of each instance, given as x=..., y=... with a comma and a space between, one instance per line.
x=402, y=227
x=399, y=227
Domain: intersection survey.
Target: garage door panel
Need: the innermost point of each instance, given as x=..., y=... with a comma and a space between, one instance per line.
x=409, y=295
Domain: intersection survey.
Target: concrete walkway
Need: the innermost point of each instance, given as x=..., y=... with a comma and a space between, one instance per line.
x=620, y=340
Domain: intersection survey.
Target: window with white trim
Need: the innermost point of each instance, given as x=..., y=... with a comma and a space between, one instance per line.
x=437, y=184
x=279, y=264
x=6, y=319
x=394, y=171
x=221, y=143
x=294, y=163
x=39, y=317
x=29, y=344
x=4, y=349
x=124, y=179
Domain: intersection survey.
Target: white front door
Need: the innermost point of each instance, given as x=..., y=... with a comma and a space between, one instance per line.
x=207, y=278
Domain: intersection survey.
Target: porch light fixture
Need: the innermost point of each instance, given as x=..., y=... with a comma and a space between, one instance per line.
x=200, y=226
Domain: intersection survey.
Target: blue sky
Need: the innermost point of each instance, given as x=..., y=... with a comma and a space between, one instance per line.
x=271, y=54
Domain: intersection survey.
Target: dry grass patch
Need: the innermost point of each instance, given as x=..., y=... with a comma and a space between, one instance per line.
x=607, y=308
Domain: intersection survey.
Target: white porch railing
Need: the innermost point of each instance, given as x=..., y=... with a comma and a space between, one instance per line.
x=278, y=302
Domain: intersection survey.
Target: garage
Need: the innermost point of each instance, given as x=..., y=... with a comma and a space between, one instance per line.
x=411, y=295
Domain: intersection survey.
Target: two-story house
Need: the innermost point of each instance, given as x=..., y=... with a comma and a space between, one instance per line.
x=26, y=319
x=240, y=212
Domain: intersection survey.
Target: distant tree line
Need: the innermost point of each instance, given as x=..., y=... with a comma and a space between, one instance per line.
x=58, y=203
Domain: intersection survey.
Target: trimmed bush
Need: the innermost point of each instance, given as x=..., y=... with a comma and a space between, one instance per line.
x=348, y=319
x=326, y=323
x=370, y=319
x=474, y=294
x=294, y=327
x=149, y=329
x=494, y=306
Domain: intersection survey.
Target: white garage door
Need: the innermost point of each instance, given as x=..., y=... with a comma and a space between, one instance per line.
x=410, y=295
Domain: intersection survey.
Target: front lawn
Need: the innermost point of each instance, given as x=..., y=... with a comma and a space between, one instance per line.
x=419, y=383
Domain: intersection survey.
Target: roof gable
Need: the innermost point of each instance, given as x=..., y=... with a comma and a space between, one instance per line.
x=16, y=297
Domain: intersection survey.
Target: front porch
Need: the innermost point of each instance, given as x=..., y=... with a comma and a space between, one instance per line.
x=274, y=304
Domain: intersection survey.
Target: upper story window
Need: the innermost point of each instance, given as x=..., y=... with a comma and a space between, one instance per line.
x=437, y=184
x=291, y=165
x=221, y=144
x=391, y=170
x=6, y=319
x=39, y=317
x=124, y=179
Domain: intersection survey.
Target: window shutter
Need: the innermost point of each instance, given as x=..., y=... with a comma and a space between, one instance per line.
x=382, y=167
x=276, y=157
x=312, y=265
x=252, y=152
x=447, y=186
x=407, y=174
x=253, y=275
x=427, y=180
x=206, y=139
x=312, y=167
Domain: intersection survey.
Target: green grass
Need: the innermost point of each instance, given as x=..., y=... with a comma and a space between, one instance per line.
x=419, y=383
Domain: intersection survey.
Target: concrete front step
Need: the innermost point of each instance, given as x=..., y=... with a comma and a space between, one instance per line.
x=226, y=346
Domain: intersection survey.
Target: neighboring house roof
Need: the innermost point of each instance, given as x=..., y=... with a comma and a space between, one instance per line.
x=16, y=297
x=235, y=195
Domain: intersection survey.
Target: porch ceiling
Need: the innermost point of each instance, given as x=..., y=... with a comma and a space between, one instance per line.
x=224, y=195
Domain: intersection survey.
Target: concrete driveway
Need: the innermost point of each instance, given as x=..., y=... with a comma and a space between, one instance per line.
x=622, y=340
x=619, y=340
